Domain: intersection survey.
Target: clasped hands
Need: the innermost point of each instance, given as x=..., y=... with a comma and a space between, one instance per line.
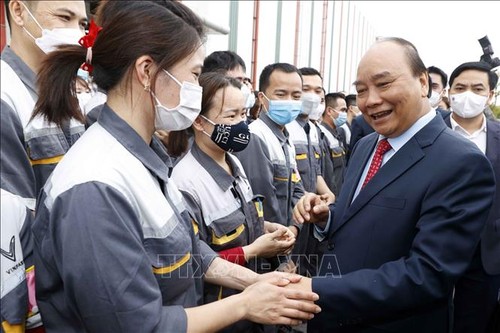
x=281, y=298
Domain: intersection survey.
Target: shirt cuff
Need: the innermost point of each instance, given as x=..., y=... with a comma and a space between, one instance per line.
x=234, y=255
x=319, y=233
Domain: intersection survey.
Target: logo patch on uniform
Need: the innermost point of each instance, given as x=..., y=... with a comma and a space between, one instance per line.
x=11, y=255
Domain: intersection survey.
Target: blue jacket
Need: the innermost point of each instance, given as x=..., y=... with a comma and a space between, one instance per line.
x=395, y=252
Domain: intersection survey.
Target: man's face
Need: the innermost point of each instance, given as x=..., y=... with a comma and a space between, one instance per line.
x=312, y=84
x=239, y=74
x=389, y=96
x=474, y=81
x=282, y=86
x=340, y=106
x=56, y=14
x=437, y=84
x=353, y=110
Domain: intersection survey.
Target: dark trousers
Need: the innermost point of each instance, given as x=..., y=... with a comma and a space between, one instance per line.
x=476, y=299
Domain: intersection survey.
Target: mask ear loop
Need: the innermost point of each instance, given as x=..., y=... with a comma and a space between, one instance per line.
x=262, y=105
x=172, y=77
x=33, y=18
x=211, y=122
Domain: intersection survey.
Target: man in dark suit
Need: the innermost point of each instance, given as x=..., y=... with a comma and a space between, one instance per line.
x=471, y=89
x=407, y=221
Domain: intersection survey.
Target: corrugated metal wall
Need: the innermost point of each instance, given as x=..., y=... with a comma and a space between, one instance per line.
x=334, y=34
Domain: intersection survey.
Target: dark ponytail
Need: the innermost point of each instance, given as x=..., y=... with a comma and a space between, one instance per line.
x=130, y=29
x=57, y=101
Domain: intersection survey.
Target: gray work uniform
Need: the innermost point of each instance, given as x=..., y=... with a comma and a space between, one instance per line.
x=19, y=308
x=115, y=247
x=31, y=148
x=269, y=163
x=334, y=177
x=304, y=137
x=223, y=206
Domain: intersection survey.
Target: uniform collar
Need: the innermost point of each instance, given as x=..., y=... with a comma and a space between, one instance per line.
x=154, y=156
x=22, y=70
x=330, y=129
x=220, y=176
x=301, y=121
x=281, y=134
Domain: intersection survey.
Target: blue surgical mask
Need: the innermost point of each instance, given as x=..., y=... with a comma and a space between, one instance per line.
x=284, y=111
x=341, y=119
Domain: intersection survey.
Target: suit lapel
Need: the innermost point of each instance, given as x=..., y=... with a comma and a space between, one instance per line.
x=403, y=160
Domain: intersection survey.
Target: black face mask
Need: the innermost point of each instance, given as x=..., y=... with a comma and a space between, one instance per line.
x=230, y=138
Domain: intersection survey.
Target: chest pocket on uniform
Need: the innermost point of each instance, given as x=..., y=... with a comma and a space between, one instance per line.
x=302, y=159
x=171, y=260
x=43, y=149
x=229, y=231
x=281, y=175
x=338, y=157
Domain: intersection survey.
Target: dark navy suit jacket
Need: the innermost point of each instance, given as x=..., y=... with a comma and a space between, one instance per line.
x=395, y=253
x=359, y=129
x=490, y=238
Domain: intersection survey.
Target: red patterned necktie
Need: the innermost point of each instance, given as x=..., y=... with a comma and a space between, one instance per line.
x=383, y=147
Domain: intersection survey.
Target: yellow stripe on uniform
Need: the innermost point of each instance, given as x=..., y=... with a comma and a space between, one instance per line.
x=281, y=179
x=173, y=267
x=14, y=328
x=317, y=155
x=301, y=156
x=50, y=160
x=337, y=155
x=295, y=177
x=226, y=239
x=195, y=227
x=260, y=208
x=220, y=294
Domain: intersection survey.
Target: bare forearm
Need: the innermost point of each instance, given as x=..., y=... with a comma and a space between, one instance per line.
x=227, y=274
x=215, y=316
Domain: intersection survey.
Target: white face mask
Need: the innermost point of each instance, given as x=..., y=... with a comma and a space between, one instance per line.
x=183, y=115
x=468, y=104
x=310, y=102
x=435, y=99
x=51, y=39
x=83, y=99
x=248, y=95
x=316, y=114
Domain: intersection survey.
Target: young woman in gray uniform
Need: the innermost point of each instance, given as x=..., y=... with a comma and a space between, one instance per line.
x=213, y=182
x=115, y=248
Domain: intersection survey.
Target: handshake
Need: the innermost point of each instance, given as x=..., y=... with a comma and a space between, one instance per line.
x=280, y=299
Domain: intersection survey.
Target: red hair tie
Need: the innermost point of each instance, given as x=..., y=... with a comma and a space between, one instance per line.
x=87, y=42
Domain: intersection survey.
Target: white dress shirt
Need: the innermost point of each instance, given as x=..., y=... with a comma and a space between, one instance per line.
x=396, y=143
x=478, y=137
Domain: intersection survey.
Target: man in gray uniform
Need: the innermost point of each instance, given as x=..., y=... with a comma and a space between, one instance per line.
x=31, y=148
x=269, y=160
